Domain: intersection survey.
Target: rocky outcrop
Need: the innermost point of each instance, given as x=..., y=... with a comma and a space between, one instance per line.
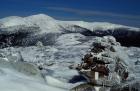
x=103, y=64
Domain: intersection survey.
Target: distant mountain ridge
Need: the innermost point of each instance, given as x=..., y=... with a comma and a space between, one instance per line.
x=34, y=28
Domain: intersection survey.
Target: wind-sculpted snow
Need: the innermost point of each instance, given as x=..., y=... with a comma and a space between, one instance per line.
x=16, y=74
x=11, y=80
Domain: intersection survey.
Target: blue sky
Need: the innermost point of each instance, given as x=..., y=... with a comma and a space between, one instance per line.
x=125, y=12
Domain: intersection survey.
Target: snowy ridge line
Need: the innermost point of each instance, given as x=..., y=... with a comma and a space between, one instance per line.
x=39, y=27
x=47, y=23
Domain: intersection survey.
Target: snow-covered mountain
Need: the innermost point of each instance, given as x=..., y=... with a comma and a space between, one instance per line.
x=40, y=41
x=48, y=24
x=36, y=27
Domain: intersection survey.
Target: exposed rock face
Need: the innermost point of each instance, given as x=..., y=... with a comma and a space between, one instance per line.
x=103, y=65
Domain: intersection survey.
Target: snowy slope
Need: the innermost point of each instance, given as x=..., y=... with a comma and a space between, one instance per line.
x=55, y=60
x=11, y=80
